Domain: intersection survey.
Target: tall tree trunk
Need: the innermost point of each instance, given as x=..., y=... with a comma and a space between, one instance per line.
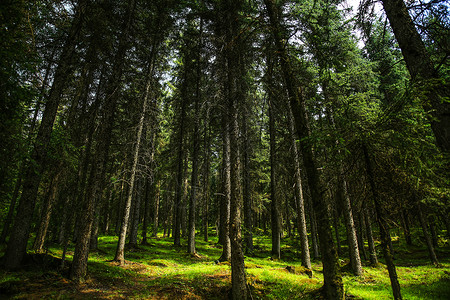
x=301, y=219
x=149, y=185
x=206, y=175
x=247, y=198
x=97, y=179
x=355, y=259
x=235, y=97
x=17, y=245
x=274, y=205
x=177, y=209
x=226, y=194
x=156, y=208
x=333, y=285
x=196, y=150
x=136, y=214
x=384, y=233
x=120, y=251
x=420, y=67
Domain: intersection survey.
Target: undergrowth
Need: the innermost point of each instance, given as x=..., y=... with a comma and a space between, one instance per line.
x=161, y=271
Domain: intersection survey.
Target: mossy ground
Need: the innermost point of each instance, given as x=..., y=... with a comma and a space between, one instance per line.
x=160, y=271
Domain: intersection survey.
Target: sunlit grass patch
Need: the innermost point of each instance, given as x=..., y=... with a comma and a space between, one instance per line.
x=416, y=282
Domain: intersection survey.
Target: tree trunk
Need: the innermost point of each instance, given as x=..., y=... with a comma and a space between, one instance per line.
x=135, y=217
x=97, y=178
x=384, y=233
x=206, y=172
x=12, y=207
x=17, y=245
x=120, y=251
x=301, y=219
x=420, y=68
x=274, y=205
x=313, y=225
x=196, y=150
x=248, y=213
x=428, y=240
x=355, y=259
x=370, y=241
x=333, y=285
x=148, y=186
x=177, y=210
x=156, y=208
x=226, y=195
x=360, y=236
x=46, y=213
x=405, y=224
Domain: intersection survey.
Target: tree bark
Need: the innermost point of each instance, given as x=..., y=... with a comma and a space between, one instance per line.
x=421, y=68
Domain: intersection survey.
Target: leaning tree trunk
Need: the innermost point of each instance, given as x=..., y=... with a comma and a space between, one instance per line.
x=384, y=233
x=421, y=68
x=333, y=285
x=17, y=245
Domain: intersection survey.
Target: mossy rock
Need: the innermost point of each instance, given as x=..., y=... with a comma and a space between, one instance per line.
x=299, y=270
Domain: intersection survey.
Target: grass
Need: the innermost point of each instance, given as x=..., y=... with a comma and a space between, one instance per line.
x=161, y=271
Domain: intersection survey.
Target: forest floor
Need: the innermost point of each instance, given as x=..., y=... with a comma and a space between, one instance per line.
x=160, y=271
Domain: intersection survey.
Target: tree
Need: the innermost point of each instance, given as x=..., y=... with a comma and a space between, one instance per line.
x=436, y=88
x=19, y=236
x=333, y=286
